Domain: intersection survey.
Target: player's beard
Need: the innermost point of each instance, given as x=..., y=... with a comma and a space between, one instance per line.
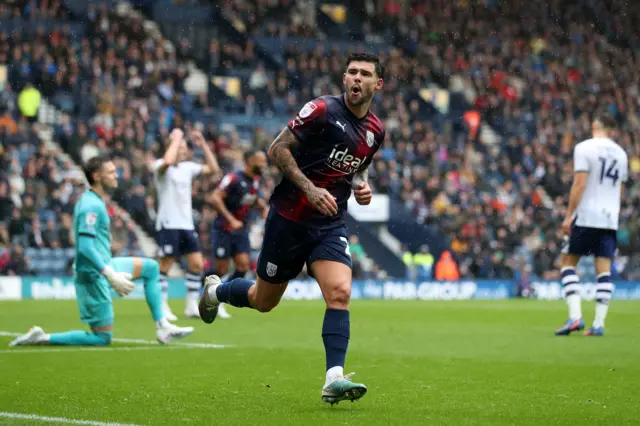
x=109, y=189
x=358, y=98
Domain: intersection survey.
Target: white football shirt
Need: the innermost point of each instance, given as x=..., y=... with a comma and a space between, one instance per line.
x=607, y=165
x=173, y=188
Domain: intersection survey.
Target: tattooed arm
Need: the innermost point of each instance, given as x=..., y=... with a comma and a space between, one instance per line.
x=281, y=156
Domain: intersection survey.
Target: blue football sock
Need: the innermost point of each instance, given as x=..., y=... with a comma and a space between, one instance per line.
x=235, y=292
x=336, y=331
x=152, y=287
x=80, y=338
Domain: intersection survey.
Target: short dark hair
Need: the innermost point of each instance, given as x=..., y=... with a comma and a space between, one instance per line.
x=607, y=121
x=366, y=57
x=250, y=153
x=94, y=165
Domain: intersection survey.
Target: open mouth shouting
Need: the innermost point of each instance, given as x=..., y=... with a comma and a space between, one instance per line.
x=355, y=93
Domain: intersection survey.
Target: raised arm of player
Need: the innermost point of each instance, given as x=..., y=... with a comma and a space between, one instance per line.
x=171, y=155
x=217, y=199
x=211, y=167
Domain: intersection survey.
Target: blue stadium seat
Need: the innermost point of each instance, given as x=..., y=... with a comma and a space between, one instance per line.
x=43, y=266
x=46, y=253
x=31, y=253
x=58, y=266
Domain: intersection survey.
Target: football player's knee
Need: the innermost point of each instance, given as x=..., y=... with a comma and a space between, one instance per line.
x=165, y=265
x=242, y=262
x=339, y=296
x=150, y=267
x=265, y=305
x=195, y=265
x=104, y=337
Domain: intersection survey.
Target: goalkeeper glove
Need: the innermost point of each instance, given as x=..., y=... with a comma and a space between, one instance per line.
x=120, y=281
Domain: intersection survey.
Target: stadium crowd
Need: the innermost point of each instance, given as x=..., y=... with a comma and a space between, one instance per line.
x=535, y=80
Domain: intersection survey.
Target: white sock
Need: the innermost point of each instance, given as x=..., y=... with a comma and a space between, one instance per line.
x=162, y=323
x=213, y=297
x=193, y=283
x=575, y=307
x=191, y=298
x=164, y=286
x=571, y=292
x=601, y=314
x=334, y=373
x=604, y=292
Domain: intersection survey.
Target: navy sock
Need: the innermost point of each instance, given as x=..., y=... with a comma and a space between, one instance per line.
x=235, y=292
x=238, y=274
x=335, y=335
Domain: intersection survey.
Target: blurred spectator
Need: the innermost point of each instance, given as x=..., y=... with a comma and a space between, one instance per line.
x=29, y=102
x=446, y=268
x=423, y=262
x=497, y=201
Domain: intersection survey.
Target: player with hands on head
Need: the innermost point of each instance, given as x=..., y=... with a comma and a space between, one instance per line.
x=175, y=230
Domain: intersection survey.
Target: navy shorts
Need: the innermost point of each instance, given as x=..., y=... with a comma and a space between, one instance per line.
x=287, y=246
x=228, y=244
x=592, y=242
x=177, y=242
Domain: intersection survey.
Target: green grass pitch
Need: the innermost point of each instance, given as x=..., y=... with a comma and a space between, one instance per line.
x=425, y=363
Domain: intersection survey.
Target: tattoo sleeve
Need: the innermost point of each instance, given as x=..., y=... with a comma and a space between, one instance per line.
x=364, y=174
x=281, y=156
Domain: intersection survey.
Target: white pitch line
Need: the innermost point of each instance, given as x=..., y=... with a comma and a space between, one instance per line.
x=145, y=342
x=187, y=344
x=54, y=349
x=36, y=417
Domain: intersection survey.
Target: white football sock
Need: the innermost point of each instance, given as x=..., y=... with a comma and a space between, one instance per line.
x=164, y=286
x=604, y=292
x=601, y=314
x=162, y=323
x=213, y=297
x=333, y=374
x=191, y=298
x=575, y=307
x=571, y=292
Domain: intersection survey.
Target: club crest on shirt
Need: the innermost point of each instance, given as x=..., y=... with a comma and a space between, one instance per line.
x=307, y=109
x=91, y=219
x=271, y=269
x=370, y=139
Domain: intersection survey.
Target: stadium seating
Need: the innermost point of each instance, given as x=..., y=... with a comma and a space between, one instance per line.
x=495, y=197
